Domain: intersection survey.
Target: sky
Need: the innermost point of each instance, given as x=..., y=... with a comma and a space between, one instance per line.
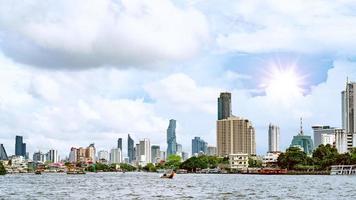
x=75, y=72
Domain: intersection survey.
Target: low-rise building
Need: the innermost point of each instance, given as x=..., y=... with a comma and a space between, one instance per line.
x=270, y=159
x=238, y=161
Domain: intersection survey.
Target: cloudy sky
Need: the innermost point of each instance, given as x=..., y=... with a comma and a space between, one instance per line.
x=79, y=72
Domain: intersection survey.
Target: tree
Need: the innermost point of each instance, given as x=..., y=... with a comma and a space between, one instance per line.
x=2, y=169
x=150, y=168
x=253, y=162
x=173, y=162
x=202, y=162
x=293, y=157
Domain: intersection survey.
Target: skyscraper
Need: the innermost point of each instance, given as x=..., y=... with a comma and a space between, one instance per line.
x=155, y=153
x=199, y=145
x=224, y=105
x=103, y=156
x=119, y=143
x=144, y=152
x=130, y=148
x=235, y=135
x=90, y=153
x=3, y=154
x=171, y=138
x=348, y=113
x=303, y=141
x=20, y=147
x=273, y=138
x=115, y=156
x=52, y=156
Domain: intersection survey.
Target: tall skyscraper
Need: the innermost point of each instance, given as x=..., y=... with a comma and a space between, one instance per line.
x=119, y=143
x=3, y=154
x=235, y=135
x=348, y=97
x=171, y=138
x=144, y=151
x=273, y=138
x=130, y=148
x=155, y=153
x=90, y=153
x=20, y=147
x=224, y=106
x=199, y=145
x=115, y=156
x=341, y=140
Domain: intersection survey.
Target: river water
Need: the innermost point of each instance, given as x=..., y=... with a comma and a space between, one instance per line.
x=183, y=186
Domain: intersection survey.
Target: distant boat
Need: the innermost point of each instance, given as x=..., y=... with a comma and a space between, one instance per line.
x=343, y=170
x=38, y=172
x=168, y=174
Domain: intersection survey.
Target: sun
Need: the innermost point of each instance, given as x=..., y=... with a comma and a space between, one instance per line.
x=283, y=83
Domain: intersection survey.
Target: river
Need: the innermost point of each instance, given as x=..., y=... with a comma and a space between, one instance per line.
x=183, y=186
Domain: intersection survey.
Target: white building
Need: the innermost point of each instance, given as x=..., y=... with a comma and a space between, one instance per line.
x=163, y=155
x=348, y=113
x=270, y=158
x=52, y=156
x=144, y=152
x=115, y=156
x=238, y=161
x=323, y=135
x=341, y=139
x=211, y=151
x=273, y=138
x=103, y=156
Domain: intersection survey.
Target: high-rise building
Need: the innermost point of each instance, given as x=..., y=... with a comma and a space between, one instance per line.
x=171, y=138
x=3, y=154
x=224, y=106
x=155, y=153
x=20, y=147
x=84, y=155
x=341, y=140
x=90, y=153
x=163, y=155
x=211, y=151
x=199, y=146
x=103, y=156
x=119, y=143
x=303, y=141
x=52, y=156
x=73, y=155
x=348, y=113
x=323, y=135
x=235, y=135
x=185, y=156
x=179, y=150
x=115, y=156
x=145, y=151
x=273, y=138
x=130, y=148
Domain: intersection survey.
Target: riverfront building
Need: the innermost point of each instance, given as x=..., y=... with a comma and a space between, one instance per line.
x=238, y=161
x=171, y=138
x=3, y=154
x=130, y=149
x=235, y=135
x=84, y=155
x=348, y=113
x=155, y=153
x=224, y=106
x=273, y=138
x=20, y=147
x=199, y=146
x=115, y=156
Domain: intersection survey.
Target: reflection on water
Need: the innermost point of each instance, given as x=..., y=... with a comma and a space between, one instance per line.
x=183, y=186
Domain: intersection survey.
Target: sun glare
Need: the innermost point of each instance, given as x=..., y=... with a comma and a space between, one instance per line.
x=284, y=83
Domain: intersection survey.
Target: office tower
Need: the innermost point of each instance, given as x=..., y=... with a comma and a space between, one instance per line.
x=179, y=149
x=171, y=138
x=155, y=153
x=73, y=155
x=273, y=138
x=211, y=151
x=103, y=156
x=199, y=146
x=115, y=156
x=130, y=148
x=235, y=135
x=323, y=135
x=145, y=151
x=20, y=147
x=3, y=154
x=119, y=143
x=348, y=113
x=341, y=140
x=303, y=141
x=52, y=156
x=224, y=106
x=90, y=153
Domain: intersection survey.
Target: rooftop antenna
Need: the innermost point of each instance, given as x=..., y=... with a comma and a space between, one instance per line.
x=301, y=126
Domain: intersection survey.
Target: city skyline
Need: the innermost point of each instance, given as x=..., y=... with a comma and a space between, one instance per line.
x=68, y=79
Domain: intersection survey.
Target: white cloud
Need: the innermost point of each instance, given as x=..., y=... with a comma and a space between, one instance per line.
x=81, y=34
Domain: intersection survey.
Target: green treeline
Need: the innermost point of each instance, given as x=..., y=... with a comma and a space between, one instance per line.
x=2, y=169
x=322, y=158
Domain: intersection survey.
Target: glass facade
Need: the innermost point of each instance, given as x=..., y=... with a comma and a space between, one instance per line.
x=171, y=138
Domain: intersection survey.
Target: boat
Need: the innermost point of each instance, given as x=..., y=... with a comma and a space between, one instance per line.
x=76, y=172
x=343, y=170
x=273, y=171
x=38, y=172
x=168, y=174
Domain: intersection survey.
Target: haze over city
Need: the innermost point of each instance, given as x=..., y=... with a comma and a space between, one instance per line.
x=76, y=73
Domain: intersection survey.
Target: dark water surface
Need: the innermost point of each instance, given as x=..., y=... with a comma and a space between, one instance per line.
x=183, y=186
